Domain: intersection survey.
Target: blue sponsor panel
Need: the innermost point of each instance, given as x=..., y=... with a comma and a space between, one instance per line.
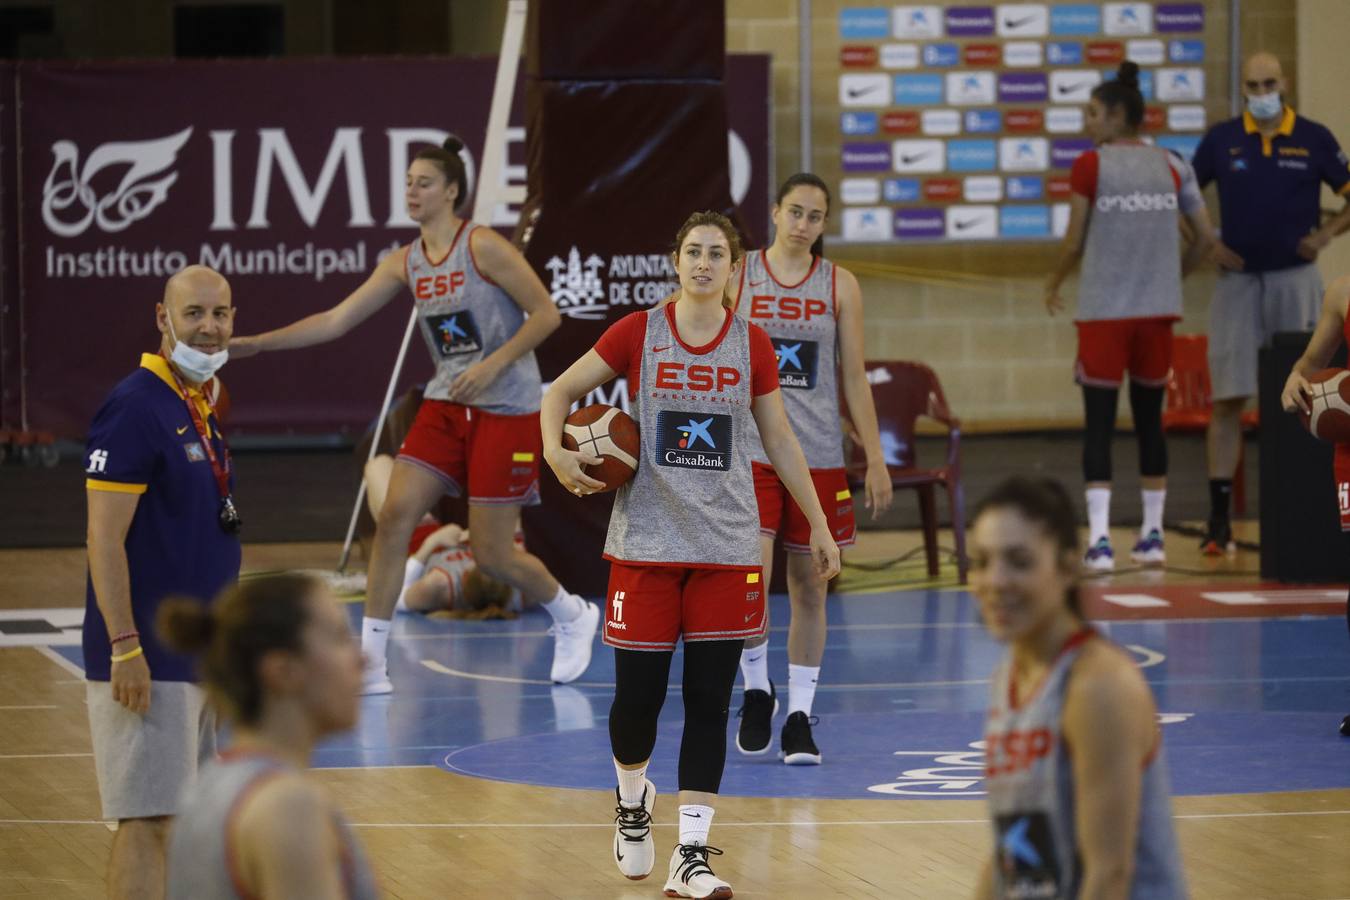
x=941, y=56
x=972, y=156
x=983, y=121
x=855, y=22
x=858, y=123
x=1179, y=51
x=1025, y=187
x=1184, y=144
x=1024, y=221
x=918, y=90
x=901, y=190
x=1075, y=19
x=1064, y=53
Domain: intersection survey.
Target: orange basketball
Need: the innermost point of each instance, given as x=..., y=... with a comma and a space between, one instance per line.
x=608, y=433
x=1330, y=403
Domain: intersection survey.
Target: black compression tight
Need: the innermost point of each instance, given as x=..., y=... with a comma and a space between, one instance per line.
x=640, y=691
x=1099, y=407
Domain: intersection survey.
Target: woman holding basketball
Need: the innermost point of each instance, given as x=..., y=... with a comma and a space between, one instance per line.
x=1077, y=785
x=1124, y=207
x=684, y=557
x=477, y=430
x=278, y=660
x=812, y=312
x=1332, y=327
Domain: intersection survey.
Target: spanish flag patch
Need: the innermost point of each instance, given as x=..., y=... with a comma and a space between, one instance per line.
x=752, y=578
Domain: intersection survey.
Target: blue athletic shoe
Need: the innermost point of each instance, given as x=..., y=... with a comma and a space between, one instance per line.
x=1100, y=557
x=1149, y=549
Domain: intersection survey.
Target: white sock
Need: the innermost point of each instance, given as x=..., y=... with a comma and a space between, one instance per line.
x=755, y=668
x=1099, y=514
x=1153, y=511
x=695, y=821
x=565, y=607
x=802, y=688
x=631, y=783
x=413, y=569
x=374, y=640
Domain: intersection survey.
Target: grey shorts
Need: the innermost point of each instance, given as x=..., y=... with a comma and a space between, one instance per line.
x=1246, y=311
x=144, y=762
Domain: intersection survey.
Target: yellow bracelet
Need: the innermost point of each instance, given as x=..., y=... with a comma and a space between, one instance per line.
x=130, y=654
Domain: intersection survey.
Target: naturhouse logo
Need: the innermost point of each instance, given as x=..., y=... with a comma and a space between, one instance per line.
x=70, y=202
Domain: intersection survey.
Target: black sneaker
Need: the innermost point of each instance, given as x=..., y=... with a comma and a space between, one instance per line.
x=798, y=749
x=1218, y=539
x=756, y=715
x=1345, y=726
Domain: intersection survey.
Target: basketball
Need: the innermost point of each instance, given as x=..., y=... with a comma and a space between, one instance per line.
x=606, y=432
x=1330, y=404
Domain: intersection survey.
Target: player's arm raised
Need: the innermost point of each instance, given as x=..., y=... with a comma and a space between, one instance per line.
x=582, y=377
x=377, y=290
x=1325, y=339
x=781, y=446
x=501, y=262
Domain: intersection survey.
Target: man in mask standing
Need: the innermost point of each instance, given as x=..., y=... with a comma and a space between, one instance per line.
x=1269, y=165
x=162, y=522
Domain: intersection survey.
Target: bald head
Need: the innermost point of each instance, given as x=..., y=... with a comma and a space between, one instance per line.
x=196, y=310
x=1262, y=74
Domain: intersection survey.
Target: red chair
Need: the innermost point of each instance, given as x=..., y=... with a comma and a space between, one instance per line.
x=1189, y=403
x=903, y=391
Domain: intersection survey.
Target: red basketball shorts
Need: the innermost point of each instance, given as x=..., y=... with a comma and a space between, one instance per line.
x=494, y=457
x=651, y=607
x=1341, y=467
x=1106, y=350
x=780, y=514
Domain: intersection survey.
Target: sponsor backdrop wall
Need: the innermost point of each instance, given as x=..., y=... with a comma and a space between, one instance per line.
x=131, y=171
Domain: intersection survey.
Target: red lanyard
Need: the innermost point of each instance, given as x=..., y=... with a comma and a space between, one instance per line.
x=219, y=469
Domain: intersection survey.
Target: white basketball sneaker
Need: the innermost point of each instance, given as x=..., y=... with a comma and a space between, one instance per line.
x=634, y=849
x=691, y=876
x=572, y=643
x=375, y=681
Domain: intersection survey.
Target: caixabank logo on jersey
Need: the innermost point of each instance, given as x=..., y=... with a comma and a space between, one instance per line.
x=1026, y=855
x=454, y=333
x=693, y=440
x=796, y=362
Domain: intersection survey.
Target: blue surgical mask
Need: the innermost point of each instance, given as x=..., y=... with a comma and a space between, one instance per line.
x=1265, y=106
x=192, y=362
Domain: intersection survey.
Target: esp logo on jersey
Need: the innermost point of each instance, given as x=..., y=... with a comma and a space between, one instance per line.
x=432, y=287
x=790, y=309
x=693, y=440
x=454, y=333
x=796, y=362
x=676, y=376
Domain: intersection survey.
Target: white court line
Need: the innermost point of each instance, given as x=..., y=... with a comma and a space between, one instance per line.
x=61, y=661
x=789, y=824
x=39, y=706
x=44, y=755
x=1135, y=601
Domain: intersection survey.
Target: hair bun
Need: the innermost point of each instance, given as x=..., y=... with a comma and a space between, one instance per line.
x=186, y=625
x=1128, y=74
x=452, y=144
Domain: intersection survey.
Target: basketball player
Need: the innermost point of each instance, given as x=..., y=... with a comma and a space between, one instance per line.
x=278, y=660
x=812, y=311
x=1126, y=196
x=477, y=429
x=684, y=557
x=1333, y=326
x=1077, y=786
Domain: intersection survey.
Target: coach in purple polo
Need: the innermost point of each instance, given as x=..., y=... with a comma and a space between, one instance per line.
x=1269, y=166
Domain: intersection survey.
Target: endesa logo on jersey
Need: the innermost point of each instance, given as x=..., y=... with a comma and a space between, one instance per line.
x=796, y=363
x=432, y=287
x=1137, y=201
x=454, y=333
x=693, y=440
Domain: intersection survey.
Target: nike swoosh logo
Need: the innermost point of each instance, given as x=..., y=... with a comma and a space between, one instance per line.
x=618, y=854
x=968, y=223
x=758, y=283
x=751, y=616
x=909, y=159
x=693, y=815
x=1018, y=23
x=1074, y=88
x=183, y=429
x=855, y=93
x=662, y=349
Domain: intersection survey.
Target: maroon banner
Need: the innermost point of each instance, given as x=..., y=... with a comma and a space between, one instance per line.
x=132, y=171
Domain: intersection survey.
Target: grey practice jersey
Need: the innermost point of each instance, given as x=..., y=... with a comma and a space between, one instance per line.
x=465, y=317
x=1029, y=773
x=692, y=500
x=200, y=865
x=800, y=320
